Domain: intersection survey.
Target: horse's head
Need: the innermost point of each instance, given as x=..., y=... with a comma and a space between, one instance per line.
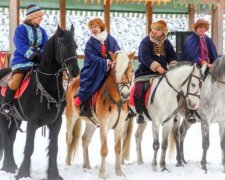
x=191, y=86
x=66, y=51
x=123, y=72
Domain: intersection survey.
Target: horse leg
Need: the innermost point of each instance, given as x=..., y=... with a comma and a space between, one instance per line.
x=176, y=133
x=205, y=142
x=165, y=134
x=127, y=140
x=222, y=142
x=86, y=140
x=155, y=131
x=183, y=132
x=8, y=135
x=24, y=170
x=104, y=151
x=53, y=172
x=118, y=136
x=138, y=137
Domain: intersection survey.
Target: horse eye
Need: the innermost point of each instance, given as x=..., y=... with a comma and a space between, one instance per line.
x=193, y=85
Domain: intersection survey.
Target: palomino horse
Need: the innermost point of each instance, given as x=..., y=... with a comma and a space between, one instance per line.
x=110, y=112
x=211, y=110
x=41, y=104
x=162, y=105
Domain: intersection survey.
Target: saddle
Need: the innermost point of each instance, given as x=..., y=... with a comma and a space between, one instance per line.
x=146, y=93
x=6, y=75
x=91, y=101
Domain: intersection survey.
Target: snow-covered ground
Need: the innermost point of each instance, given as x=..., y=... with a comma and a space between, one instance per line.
x=132, y=171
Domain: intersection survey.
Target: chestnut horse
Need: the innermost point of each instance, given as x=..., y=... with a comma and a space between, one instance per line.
x=110, y=112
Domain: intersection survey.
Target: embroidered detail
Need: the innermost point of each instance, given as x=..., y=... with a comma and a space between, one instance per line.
x=23, y=65
x=28, y=53
x=159, y=49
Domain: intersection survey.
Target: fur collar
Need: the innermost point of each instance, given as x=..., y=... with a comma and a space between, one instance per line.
x=101, y=36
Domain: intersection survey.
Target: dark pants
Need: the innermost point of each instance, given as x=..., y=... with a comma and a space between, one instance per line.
x=139, y=96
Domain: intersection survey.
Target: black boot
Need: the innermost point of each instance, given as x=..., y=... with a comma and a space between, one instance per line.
x=191, y=117
x=131, y=113
x=85, y=110
x=7, y=104
x=139, y=109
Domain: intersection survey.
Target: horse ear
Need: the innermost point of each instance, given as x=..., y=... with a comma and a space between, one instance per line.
x=72, y=28
x=113, y=56
x=131, y=55
x=59, y=31
x=204, y=69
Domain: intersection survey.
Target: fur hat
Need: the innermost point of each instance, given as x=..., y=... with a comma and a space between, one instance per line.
x=201, y=22
x=33, y=11
x=98, y=22
x=160, y=25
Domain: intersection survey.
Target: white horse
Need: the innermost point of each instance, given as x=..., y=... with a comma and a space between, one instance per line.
x=183, y=81
x=211, y=110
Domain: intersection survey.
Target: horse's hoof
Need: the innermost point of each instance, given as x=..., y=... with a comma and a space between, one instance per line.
x=164, y=169
x=179, y=165
x=103, y=175
x=11, y=169
x=55, y=178
x=119, y=172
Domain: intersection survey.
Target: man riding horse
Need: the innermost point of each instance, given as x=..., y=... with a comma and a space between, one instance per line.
x=29, y=40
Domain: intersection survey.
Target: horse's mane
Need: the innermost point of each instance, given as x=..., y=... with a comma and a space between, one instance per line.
x=122, y=61
x=218, y=69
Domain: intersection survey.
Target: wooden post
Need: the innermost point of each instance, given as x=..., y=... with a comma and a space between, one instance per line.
x=149, y=12
x=191, y=16
x=62, y=9
x=217, y=26
x=107, y=15
x=13, y=21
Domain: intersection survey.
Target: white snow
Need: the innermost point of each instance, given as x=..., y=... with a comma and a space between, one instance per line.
x=132, y=171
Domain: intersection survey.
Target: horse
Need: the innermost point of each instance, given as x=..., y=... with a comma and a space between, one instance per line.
x=109, y=112
x=162, y=105
x=210, y=111
x=42, y=103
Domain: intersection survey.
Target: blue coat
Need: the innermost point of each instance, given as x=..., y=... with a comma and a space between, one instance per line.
x=146, y=57
x=95, y=66
x=24, y=40
x=191, y=46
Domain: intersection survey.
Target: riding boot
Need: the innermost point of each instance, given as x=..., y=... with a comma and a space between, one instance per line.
x=7, y=103
x=191, y=117
x=131, y=113
x=139, y=109
x=85, y=110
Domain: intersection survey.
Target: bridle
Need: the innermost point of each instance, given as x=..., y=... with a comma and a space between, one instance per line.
x=43, y=93
x=120, y=86
x=181, y=93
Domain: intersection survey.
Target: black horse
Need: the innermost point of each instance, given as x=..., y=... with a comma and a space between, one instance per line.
x=41, y=104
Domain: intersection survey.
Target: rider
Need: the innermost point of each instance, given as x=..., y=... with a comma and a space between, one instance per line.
x=97, y=62
x=199, y=48
x=155, y=53
x=29, y=41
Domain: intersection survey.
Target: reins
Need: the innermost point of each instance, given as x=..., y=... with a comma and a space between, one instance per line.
x=181, y=93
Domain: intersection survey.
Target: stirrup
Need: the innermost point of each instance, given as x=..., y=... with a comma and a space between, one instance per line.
x=85, y=111
x=191, y=119
x=6, y=108
x=140, y=119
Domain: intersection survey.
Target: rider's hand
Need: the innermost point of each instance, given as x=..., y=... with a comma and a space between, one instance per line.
x=111, y=64
x=160, y=69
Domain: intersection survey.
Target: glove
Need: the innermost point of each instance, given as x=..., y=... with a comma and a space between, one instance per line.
x=36, y=58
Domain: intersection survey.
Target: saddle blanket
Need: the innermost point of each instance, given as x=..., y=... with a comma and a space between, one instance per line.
x=146, y=95
x=21, y=89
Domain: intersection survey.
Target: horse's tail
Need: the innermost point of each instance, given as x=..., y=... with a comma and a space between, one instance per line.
x=72, y=144
x=171, y=144
x=127, y=139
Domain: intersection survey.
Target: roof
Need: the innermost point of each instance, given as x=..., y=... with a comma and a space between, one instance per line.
x=135, y=6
